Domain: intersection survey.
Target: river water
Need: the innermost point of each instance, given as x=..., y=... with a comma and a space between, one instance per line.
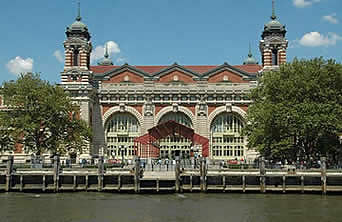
x=105, y=207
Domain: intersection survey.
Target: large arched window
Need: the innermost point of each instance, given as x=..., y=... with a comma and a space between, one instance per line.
x=226, y=139
x=121, y=129
x=178, y=117
x=175, y=143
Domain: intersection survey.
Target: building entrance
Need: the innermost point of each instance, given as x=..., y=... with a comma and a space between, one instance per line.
x=149, y=145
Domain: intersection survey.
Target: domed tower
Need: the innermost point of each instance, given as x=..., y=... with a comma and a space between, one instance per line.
x=273, y=45
x=76, y=78
x=250, y=59
x=106, y=60
x=77, y=48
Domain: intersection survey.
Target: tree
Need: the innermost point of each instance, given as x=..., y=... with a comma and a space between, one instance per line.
x=41, y=116
x=297, y=110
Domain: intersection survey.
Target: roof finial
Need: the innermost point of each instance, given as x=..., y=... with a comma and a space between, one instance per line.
x=273, y=17
x=250, y=51
x=78, y=18
x=106, y=55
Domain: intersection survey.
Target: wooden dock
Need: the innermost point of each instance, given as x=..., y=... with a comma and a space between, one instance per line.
x=180, y=180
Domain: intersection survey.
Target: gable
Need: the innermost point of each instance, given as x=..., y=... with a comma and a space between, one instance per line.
x=226, y=76
x=125, y=76
x=176, y=76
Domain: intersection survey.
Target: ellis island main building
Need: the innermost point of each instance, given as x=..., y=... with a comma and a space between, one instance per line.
x=121, y=103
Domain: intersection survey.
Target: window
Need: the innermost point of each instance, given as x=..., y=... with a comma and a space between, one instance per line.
x=274, y=57
x=75, y=59
x=121, y=129
x=226, y=135
x=193, y=98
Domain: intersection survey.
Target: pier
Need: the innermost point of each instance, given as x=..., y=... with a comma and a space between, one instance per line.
x=133, y=179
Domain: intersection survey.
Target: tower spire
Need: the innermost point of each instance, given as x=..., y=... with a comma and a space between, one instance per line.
x=106, y=55
x=250, y=51
x=273, y=17
x=79, y=18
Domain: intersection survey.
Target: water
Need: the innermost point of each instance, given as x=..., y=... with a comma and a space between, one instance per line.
x=103, y=207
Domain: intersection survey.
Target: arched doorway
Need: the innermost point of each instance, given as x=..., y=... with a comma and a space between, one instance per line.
x=120, y=131
x=173, y=144
x=226, y=137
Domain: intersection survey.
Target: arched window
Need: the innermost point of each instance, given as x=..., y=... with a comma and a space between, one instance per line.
x=121, y=129
x=175, y=143
x=178, y=117
x=274, y=57
x=75, y=59
x=227, y=141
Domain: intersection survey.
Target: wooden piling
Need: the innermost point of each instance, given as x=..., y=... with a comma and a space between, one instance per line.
x=302, y=183
x=75, y=182
x=100, y=171
x=21, y=183
x=86, y=182
x=44, y=183
x=56, y=167
x=137, y=175
x=203, y=174
x=9, y=173
x=177, y=174
x=262, y=175
x=324, y=175
x=224, y=183
x=119, y=182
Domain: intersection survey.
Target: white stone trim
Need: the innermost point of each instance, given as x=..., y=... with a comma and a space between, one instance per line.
x=182, y=109
x=221, y=109
x=128, y=109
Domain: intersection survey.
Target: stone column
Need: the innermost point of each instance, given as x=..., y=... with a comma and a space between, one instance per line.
x=137, y=175
x=202, y=127
x=324, y=174
x=56, y=167
x=100, y=171
x=148, y=116
x=262, y=174
x=9, y=173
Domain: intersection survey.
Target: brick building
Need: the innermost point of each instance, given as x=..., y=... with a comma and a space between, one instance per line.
x=122, y=102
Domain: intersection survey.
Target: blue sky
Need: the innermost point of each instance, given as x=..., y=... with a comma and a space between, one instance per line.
x=161, y=32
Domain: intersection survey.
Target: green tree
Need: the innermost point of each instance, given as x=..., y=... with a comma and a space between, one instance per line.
x=41, y=116
x=297, y=110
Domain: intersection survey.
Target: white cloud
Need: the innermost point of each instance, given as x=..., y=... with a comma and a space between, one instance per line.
x=315, y=39
x=19, y=65
x=331, y=18
x=293, y=44
x=120, y=60
x=304, y=3
x=59, y=56
x=98, y=52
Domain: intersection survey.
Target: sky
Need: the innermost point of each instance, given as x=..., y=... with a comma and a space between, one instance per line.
x=162, y=32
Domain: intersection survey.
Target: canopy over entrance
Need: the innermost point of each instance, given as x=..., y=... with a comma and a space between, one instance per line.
x=147, y=145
